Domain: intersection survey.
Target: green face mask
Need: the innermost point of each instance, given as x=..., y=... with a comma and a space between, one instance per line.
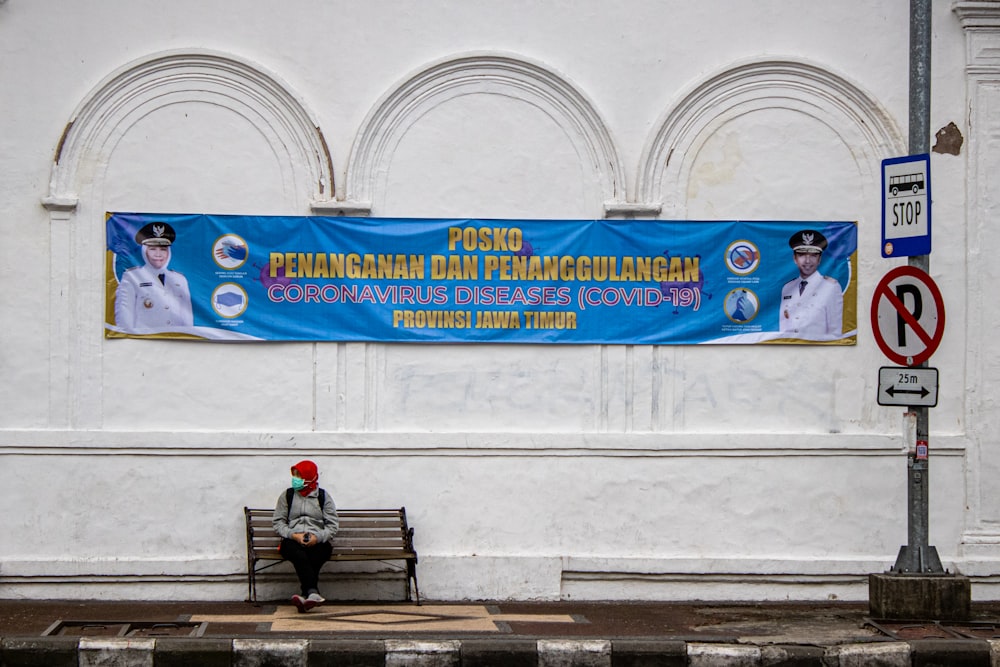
x=298, y=483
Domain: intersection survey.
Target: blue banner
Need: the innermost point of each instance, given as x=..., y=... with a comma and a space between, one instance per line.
x=634, y=282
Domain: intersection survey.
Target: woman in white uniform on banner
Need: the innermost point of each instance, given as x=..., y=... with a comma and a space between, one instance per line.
x=151, y=297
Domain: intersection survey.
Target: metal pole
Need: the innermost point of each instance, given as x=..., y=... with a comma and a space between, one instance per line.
x=918, y=556
x=920, y=78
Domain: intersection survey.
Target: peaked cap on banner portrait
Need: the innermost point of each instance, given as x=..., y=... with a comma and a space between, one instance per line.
x=808, y=240
x=156, y=233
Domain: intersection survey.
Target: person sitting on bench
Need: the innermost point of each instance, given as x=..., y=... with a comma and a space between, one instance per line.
x=305, y=517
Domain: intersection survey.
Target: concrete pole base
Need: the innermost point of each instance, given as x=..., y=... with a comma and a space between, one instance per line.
x=939, y=597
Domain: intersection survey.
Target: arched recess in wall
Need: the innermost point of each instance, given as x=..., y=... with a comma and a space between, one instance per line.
x=767, y=139
x=142, y=87
x=793, y=87
x=479, y=74
x=155, y=86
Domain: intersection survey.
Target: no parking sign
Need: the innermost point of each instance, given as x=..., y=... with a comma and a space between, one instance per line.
x=907, y=315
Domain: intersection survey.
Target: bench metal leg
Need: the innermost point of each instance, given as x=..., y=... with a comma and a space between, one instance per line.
x=411, y=573
x=252, y=572
x=251, y=584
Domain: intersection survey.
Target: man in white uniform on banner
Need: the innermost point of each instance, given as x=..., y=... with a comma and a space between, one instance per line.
x=812, y=305
x=151, y=297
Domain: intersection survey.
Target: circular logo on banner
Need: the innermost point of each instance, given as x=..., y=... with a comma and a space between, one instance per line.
x=741, y=305
x=230, y=251
x=907, y=315
x=742, y=257
x=229, y=300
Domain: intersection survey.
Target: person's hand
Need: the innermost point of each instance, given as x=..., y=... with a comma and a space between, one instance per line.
x=300, y=538
x=308, y=540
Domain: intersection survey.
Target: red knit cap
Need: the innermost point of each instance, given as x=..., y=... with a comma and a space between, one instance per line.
x=310, y=475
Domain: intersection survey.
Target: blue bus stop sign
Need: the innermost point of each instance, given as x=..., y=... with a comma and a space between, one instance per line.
x=906, y=206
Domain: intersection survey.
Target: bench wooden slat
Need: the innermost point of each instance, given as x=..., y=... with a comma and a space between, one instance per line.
x=342, y=554
x=342, y=534
x=364, y=535
x=368, y=555
x=393, y=527
x=370, y=547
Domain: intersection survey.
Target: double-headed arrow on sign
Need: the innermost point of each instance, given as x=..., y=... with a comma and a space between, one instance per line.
x=916, y=387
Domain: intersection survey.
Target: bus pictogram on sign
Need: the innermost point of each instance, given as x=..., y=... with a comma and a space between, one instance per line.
x=906, y=183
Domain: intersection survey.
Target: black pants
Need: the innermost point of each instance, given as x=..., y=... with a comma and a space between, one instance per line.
x=307, y=562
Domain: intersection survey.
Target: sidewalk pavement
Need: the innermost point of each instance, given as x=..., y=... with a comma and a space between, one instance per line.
x=507, y=634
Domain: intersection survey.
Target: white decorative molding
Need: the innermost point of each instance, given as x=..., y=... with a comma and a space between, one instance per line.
x=60, y=204
x=472, y=74
x=363, y=440
x=143, y=86
x=341, y=207
x=973, y=14
x=632, y=209
x=76, y=191
x=980, y=22
x=718, y=578
x=864, y=126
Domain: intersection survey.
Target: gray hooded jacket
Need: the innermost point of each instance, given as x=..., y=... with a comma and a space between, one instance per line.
x=306, y=516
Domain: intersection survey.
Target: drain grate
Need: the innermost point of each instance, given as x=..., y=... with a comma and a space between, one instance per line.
x=125, y=629
x=917, y=629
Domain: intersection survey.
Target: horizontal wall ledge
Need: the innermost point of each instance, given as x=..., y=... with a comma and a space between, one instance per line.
x=337, y=207
x=60, y=204
x=586, y=567
x=182, y=443
x=130, y=566
x=537, y=578
x=641, y=209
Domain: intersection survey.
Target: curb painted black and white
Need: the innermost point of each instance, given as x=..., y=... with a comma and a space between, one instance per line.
x=513, y=652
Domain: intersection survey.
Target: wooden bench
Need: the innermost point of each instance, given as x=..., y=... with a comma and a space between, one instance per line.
x=364, y=535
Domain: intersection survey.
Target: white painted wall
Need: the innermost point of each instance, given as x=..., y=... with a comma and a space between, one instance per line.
x=529, y=472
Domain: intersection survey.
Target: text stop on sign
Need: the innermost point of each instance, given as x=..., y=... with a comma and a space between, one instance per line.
x=906, y=206
x=907, y=315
